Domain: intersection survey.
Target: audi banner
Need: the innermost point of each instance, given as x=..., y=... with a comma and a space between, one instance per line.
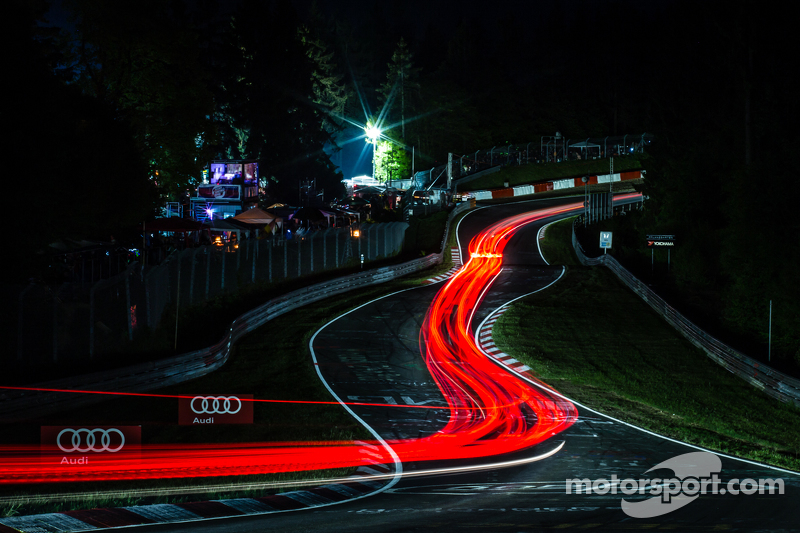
x=215, y=409
x=87, y=445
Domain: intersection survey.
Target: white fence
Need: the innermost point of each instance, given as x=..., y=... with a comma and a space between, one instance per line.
x=76, y=321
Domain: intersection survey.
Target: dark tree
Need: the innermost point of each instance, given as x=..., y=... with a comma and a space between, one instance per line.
x=266, y=99
x=74, y=169
x=141, y=59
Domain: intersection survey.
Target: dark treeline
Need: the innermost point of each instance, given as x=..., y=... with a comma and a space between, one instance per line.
x=123, y=106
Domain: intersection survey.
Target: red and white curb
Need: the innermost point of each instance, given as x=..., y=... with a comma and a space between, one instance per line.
x=486, y=342
x=455, y=254
x=366, y=480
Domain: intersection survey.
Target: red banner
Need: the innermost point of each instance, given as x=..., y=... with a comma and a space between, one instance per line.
x=87, y=445
x=216, y=409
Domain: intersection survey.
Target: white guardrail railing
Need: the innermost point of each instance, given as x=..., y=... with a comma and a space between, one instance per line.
x=19, y=405
x=774, y=383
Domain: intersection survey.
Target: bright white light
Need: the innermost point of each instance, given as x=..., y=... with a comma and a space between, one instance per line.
x=373, y=133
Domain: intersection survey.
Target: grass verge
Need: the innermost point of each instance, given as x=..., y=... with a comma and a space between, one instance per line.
x=598, y=343
x=178, y=491
x=557, y=243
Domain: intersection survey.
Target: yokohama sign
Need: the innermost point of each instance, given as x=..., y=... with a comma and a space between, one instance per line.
x=216, y=409
x=660, y=241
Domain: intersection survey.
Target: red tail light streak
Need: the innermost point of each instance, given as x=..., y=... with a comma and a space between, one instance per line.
x=491, y=411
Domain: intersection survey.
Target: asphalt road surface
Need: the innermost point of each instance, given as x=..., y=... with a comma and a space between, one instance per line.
x=373, y=355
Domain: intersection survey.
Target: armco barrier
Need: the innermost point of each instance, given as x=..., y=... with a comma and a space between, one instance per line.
x=20, y=405
x=569, y=183
x=776, y=384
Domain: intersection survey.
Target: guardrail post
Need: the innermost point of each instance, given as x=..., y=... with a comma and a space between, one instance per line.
x=299, y=263
x=336, y=247
x=285, y=259
x=311, y=250
x=271, y=246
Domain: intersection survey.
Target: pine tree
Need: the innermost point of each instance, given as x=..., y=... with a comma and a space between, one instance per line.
x=401, y=80
x=329, y=92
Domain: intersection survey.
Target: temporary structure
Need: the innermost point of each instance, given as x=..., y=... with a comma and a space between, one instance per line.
x=256, y=216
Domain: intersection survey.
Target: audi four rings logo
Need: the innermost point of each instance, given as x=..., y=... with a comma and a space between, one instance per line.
x=215, y=405
x=86, y=440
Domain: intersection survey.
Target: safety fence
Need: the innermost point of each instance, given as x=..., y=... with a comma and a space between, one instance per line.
x=19, y=405
x=75, y=320
x=774, y=383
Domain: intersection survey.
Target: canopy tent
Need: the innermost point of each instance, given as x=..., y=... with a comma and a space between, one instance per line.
x=368, y=191
x=284, y=212
x=255, y=216
x=584, y=144
x=585, y=147
x=343, y=217
x=314, y=214
x=221, y=224
x=259, y=219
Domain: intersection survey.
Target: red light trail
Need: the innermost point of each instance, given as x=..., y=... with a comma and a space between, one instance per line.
x=492, y=412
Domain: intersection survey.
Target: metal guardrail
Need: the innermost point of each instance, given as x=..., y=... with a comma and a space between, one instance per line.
x=774, y=383
x=19, y=405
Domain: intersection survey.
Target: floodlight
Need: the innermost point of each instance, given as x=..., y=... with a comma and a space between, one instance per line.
x=373, y=133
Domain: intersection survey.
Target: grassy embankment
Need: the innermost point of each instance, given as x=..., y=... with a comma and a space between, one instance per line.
x=600, y=344
x=538, y=172
x=272, y=363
